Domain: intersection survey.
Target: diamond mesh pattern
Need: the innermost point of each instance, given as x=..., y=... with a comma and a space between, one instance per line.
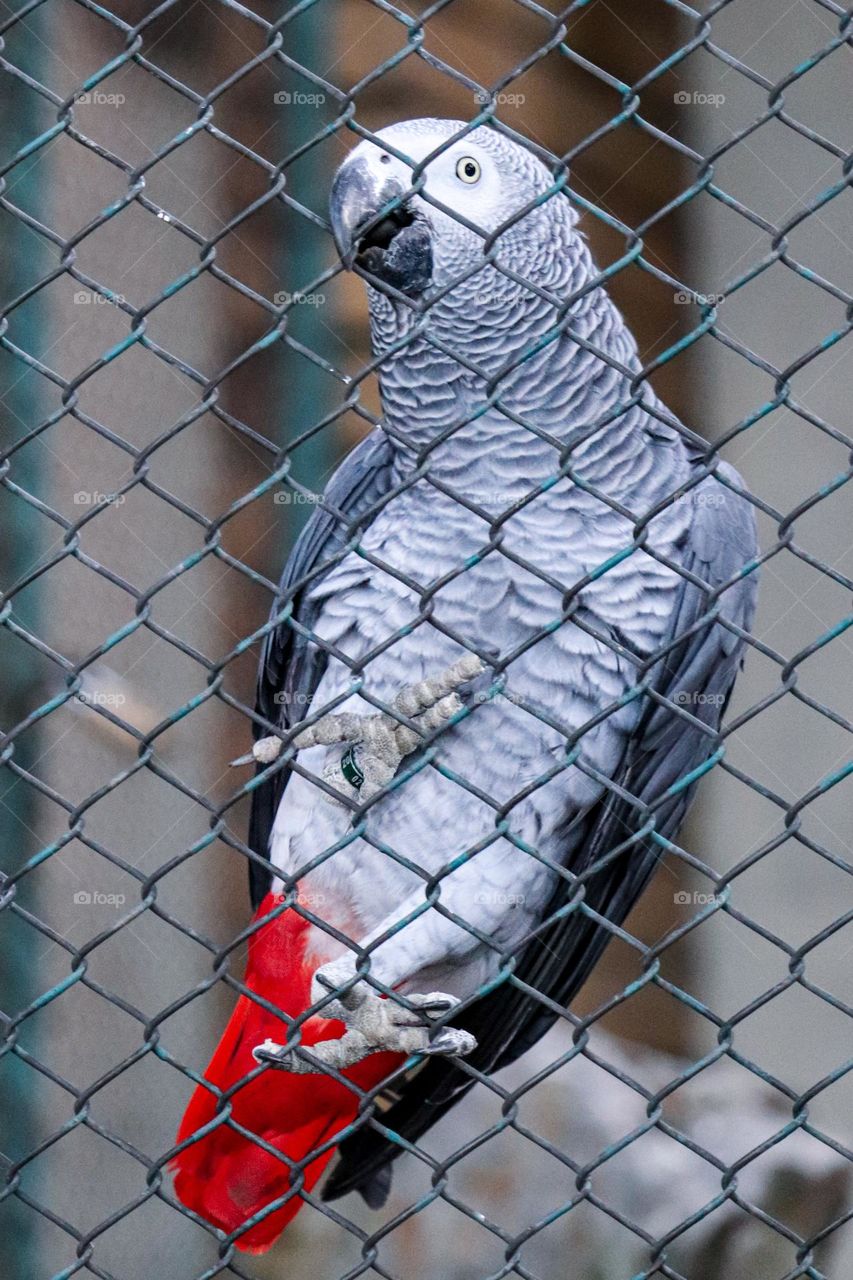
x=272, y=43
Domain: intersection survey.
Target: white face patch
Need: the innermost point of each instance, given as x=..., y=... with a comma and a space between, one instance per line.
x=478, y=201
x=464, y=178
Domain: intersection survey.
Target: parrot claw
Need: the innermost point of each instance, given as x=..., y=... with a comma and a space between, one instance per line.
x=434, y=1003
x=385, y=1025
x=275, y=1054
x=451, y=1043
x=375, y=1025
x=265, y=751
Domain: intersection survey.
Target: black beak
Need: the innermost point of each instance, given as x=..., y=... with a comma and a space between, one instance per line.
x=389, y=241
x=377, y=236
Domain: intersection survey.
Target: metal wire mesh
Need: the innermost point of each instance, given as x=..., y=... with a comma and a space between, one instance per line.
x=276, y=42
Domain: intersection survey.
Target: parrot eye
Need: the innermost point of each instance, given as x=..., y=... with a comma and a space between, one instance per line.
x=468, y=170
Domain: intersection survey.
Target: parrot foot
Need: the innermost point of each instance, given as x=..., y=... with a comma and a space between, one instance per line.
x=265, y=751
x=376, y=744
x=376, y=1025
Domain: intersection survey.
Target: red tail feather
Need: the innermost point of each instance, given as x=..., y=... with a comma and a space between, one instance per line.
x=226, y=1177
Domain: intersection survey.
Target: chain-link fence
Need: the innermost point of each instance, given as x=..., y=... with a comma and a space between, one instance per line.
x=184, y=358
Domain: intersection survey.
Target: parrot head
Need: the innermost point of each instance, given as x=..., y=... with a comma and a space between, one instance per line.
x=427, y=206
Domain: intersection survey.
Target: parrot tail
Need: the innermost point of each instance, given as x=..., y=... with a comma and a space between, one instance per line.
x=226, y=1177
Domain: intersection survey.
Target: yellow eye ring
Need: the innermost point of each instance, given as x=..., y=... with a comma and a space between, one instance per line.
x=468, y=170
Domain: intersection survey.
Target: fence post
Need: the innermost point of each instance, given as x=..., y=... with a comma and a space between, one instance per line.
x=21, y=541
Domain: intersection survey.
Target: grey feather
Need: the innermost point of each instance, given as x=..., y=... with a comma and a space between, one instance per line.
x=540, y=572
x=697, y=675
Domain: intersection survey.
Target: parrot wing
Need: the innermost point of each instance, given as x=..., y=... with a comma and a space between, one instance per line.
x=615, y=855
x=291, y=667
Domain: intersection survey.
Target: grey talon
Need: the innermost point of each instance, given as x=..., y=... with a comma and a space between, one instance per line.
x=438, y=1006
x=448, y=1043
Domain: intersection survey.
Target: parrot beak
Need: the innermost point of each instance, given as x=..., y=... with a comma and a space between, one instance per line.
x=358, y=193
x=375, y=227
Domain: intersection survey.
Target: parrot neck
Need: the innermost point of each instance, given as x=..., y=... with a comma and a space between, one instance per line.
x=560, y=387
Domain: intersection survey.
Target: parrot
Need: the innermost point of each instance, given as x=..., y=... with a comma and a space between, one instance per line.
x=494, y=673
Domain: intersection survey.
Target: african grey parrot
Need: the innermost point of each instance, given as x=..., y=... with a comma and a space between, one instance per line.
x=496, y=670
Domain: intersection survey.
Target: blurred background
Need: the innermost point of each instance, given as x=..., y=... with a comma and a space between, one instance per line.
x=173, y=320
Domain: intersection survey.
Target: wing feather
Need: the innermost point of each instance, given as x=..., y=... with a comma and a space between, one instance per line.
x=291, y=668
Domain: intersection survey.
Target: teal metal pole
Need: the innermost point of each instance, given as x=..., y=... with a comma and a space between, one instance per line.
x=306, y=392
x=24, y=259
